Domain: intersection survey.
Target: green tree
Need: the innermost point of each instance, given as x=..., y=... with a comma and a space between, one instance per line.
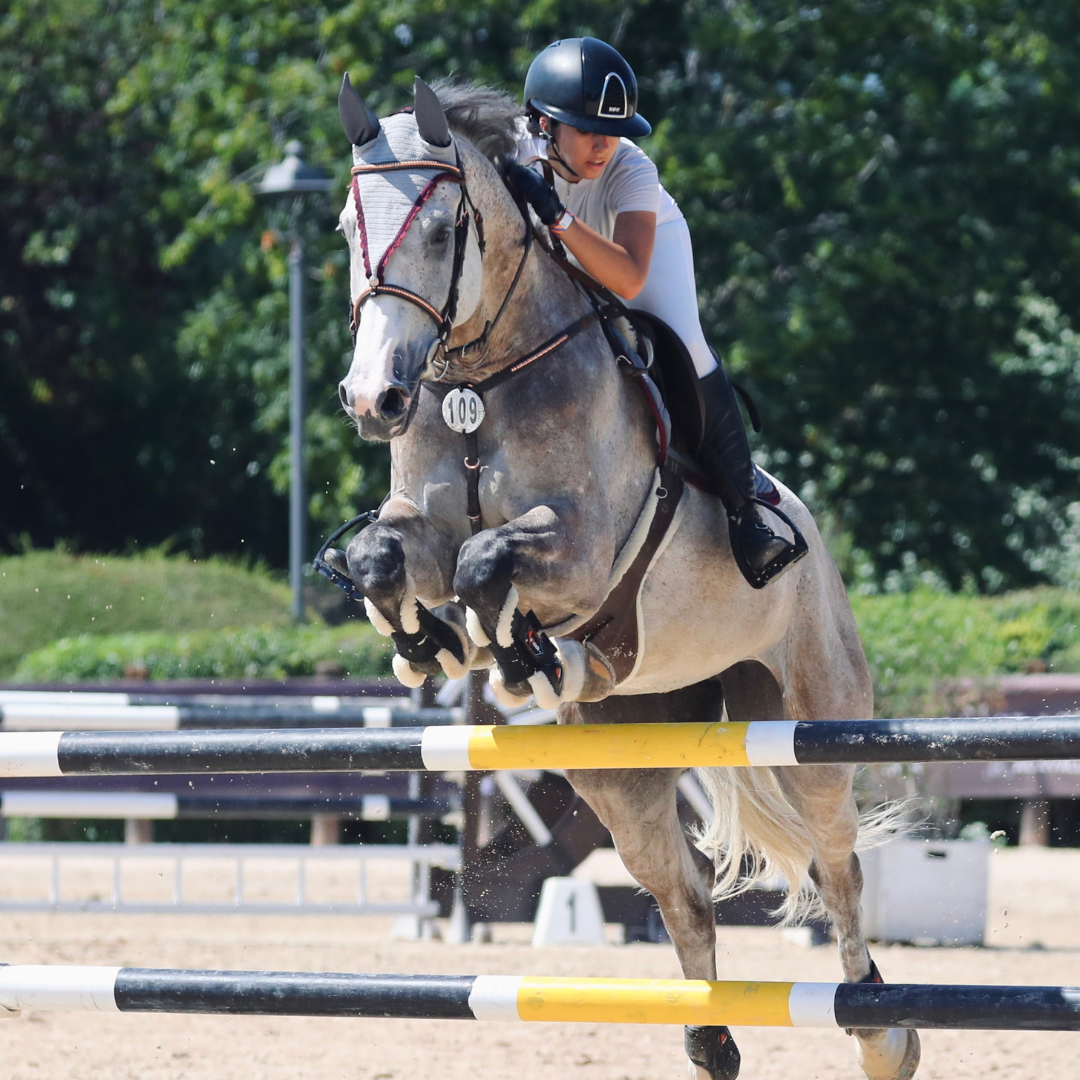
x=107, y=434
x=883, y=199
x=874, y=189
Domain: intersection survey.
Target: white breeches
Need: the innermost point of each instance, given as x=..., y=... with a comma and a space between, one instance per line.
x=670, y=291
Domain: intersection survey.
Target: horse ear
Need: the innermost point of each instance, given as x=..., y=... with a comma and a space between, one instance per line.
x=359, y=122
x=430, y=118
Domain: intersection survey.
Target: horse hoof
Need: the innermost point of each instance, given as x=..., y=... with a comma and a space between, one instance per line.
x=406, y=674
x=505, y=695
x=889, y=1055
x=712, y=1052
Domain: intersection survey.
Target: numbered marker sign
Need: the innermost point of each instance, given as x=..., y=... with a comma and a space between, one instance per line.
x=569, y=913
x=463, y=410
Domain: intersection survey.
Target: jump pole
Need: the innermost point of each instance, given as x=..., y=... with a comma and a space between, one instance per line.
x=312, y=712
x=528, y=998
x=167, y=806
x=585, y=746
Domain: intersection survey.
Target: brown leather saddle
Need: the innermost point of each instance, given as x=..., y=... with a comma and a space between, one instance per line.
x=673, y=373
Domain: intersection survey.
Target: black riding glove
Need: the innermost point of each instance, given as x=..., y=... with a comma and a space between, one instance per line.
x=537, y=192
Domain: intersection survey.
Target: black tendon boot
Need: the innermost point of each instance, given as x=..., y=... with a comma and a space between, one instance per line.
x=714, y=1050
x=725, y=452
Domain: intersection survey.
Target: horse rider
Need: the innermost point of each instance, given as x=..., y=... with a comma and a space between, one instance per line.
x=619, y=224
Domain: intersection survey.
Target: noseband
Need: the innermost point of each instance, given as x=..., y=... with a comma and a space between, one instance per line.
x=376, y=284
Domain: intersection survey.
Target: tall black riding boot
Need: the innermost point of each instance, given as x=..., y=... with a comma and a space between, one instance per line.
x=725, y=453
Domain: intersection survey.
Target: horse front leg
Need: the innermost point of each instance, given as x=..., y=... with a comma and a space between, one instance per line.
x=822, y=795
x=404, y=568
x=542, y=565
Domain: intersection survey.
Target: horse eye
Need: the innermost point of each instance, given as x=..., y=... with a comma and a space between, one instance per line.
x=441, y=234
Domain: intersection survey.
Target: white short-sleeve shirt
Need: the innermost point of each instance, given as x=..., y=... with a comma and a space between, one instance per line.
x=630, y=182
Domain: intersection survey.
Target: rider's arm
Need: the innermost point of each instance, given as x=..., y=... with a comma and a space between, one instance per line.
x=621, y=263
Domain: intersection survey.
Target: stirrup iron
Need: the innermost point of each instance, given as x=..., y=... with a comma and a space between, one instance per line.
x=758, y=579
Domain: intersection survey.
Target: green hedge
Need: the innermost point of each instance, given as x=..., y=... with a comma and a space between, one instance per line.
x=918, y=642
x=264, y=652
x=48, y=595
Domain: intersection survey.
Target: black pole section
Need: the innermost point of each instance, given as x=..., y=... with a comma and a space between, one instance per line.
x=285, y=993
x=123, y=753
x=991, y=1008
x=998, y=738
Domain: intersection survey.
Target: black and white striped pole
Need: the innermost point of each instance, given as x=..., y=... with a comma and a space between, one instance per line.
x=538, y=999
x=585, y=746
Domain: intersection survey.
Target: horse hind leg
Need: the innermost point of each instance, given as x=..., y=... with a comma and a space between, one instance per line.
x=823, y=797
x=806, y=821
x=638, y=807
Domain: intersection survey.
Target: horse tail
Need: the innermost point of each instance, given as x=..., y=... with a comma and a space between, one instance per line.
x=756, y=836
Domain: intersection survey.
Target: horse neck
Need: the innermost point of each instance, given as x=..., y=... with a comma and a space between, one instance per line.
x=544, y=301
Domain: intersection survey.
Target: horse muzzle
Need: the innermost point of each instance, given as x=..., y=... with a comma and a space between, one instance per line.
x=384, y=417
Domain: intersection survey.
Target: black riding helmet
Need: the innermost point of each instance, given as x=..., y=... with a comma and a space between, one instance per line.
x=587, y=84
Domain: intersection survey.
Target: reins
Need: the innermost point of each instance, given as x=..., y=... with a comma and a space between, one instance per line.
x=463, y=408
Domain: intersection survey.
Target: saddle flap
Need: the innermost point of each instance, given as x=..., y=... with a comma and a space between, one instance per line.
x=673, y=371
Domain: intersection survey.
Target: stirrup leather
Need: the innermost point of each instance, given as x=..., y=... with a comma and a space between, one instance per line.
x=758, y=579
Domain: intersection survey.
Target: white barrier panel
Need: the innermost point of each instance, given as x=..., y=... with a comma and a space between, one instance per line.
x=88, y=804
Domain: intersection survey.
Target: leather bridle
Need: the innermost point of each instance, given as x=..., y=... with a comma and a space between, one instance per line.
x=442, y=356
x=466, y=211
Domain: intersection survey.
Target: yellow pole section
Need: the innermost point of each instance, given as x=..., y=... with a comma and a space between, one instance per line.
x=655, y=1001
x=608, y=746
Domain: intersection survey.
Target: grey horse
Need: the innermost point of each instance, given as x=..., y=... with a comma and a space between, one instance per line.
x=447, y=294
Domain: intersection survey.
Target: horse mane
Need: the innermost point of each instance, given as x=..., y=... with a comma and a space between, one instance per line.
x=487, y=117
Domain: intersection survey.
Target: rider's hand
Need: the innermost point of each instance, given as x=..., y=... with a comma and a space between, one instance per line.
x=537, y=192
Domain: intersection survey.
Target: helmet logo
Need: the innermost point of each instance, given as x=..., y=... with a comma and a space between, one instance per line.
x=613, y=101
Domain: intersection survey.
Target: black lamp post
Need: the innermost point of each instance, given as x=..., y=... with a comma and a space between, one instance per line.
x=292, y=179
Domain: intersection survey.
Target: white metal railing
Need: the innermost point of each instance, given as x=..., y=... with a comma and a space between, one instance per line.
x=421, y=856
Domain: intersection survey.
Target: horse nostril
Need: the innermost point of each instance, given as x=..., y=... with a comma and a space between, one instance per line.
x=391, y=403
x=344, y=394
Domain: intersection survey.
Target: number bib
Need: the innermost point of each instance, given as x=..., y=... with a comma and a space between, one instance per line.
x=463, y=410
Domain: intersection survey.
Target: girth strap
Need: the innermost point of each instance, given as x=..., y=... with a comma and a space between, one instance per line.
x=614, y=627
x=473, y=467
